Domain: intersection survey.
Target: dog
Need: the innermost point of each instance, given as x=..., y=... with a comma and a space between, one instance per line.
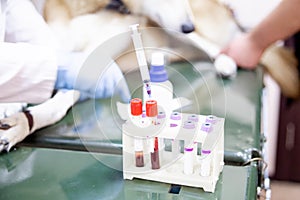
x=84, y=32
x=83, y=25
x=208, y=19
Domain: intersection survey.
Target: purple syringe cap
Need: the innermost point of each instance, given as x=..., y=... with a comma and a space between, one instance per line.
x=161, y=115
x=206, y=127
x=175, y=116
x=189, y=125
x=211, y=119
x=193, y=117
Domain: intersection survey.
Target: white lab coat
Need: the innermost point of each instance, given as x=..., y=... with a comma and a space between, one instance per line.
x=28, y=65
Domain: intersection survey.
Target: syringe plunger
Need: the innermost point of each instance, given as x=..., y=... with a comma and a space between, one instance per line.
x=141, y=58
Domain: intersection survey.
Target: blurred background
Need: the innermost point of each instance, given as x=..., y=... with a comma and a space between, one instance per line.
x=282, y=134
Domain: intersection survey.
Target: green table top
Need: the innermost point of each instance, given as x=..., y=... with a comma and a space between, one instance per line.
x=37, y=173
x=94, y=128
x=94, y=125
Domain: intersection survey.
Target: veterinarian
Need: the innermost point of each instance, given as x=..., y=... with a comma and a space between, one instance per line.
x=30, y=64
x=281, y=23
x=28, y=61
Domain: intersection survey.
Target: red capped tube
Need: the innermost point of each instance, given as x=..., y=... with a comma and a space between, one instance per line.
x=151, y=108
x=136, y=106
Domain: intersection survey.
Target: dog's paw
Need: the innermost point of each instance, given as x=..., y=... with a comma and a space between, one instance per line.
x=8, y=109
x=13, y=129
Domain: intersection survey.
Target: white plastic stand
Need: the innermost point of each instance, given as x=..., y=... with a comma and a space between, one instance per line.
x=170, y=147
x=190, y=147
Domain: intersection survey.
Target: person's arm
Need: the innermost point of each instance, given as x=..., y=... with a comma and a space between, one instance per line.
x=27, y=72
x=25, y=24
x=28, y=65
x=281, y=23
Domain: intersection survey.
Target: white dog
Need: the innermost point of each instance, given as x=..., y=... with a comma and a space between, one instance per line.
x=213, y=22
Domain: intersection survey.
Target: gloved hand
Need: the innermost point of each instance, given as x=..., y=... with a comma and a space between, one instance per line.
x=94, y=78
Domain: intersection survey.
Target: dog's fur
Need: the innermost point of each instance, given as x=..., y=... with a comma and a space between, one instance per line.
x=65, y=10
x=87, y=31
x=211, y=19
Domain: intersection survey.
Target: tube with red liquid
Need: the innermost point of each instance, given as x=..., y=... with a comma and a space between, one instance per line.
x=136, y=112
x=155, y=155
x=139, y=153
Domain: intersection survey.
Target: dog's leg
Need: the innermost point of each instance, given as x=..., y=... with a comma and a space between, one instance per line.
x=281, y=64
x=17, y=127
x=8, y=109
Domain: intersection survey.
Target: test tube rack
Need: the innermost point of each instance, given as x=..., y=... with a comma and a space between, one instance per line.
x=191, y=149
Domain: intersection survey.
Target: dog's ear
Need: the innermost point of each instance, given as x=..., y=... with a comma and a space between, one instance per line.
x=119, y=6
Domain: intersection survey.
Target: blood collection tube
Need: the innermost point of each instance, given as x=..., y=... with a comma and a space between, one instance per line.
x=155, y=155
x=151, y=110
x=188, y=166
x=136, y=112
x=139, y=154
x=136, y=109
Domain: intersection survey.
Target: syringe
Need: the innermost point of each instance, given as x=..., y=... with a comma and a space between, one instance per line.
x=141, y=58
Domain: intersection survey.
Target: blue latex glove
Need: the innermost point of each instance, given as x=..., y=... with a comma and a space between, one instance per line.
x=93, y=78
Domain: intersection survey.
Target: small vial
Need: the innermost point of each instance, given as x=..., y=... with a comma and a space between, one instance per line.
x=188, y=166
x=155, y=155
x=161, y=87
x=139, y=154
x=205, y=164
